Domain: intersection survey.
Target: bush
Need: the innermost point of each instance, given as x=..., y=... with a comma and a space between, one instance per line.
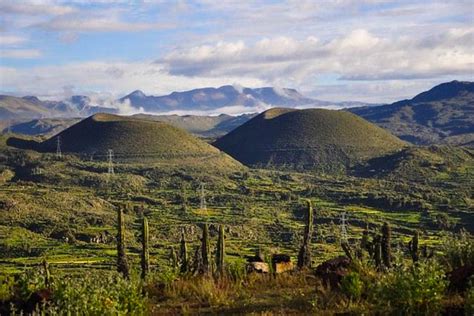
x=458, y=250
x=417, y=289
x=91, y=293
x=352, y=285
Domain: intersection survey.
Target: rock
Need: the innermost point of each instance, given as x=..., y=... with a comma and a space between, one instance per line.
x=259, y=267
x=332, y=271
x=281, y=263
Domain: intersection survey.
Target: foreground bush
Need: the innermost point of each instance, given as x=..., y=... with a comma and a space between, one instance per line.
x=417, y=289
x=92, y=293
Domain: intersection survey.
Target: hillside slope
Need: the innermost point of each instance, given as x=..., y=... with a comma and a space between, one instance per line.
x=442, y=115
x=135, y=139
x=307, y=139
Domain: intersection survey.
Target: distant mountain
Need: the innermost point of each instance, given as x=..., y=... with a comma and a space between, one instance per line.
x=444, y=114
x=30, y=107
x=204, y=126
x=42, y=126
x=206, y=99
x=214, y=98
x=311, y=139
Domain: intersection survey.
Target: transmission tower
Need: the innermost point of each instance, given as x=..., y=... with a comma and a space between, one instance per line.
x=343, y=227
x=111, y=161
x=203, y=198
x=58, y=147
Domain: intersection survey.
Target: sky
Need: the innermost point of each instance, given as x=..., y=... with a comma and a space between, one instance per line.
x=343, y=50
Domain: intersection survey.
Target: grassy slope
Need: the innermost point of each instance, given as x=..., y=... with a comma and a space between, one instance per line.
x=309, y=137
x=131, y=138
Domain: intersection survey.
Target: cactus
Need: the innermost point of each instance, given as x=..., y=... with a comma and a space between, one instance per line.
x=386, y=248
x=304, y=256
x=145, y=259
x=122, y=264
x=47, y=274
x=220, y=251
x=364, y=242
x=205, y=249
x=183, y=254
x=413, y=246
x=377, y=251
x=173, y=258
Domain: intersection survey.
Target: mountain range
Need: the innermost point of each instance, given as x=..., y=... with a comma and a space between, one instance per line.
x=204, y=100
x=441, y=115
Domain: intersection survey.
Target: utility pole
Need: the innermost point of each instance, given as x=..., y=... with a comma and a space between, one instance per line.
x=58, y=147
x=111, y=161
x=343, y=228
x=203, y=198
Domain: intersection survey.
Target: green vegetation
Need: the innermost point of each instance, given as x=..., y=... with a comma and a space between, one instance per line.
x=313, y=139
x=66, y=213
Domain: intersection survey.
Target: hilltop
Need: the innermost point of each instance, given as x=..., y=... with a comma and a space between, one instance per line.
x=133, y=139
x=307, y=139
x=442, y=115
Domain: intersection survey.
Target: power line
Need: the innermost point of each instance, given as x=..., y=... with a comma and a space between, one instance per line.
x=110, y=161
x=58, y=147
x=343, y=227
x=203, y=198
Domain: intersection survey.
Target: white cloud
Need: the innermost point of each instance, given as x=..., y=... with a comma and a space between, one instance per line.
x=11, y=40
x=358, y=55
x=34, y=8
x=20, y=53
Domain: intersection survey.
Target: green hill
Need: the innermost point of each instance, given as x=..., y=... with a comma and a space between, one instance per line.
x=307, y=139
x=133, y=139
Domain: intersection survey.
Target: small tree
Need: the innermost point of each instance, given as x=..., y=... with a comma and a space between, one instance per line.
x=122, y=264
x=304, y=256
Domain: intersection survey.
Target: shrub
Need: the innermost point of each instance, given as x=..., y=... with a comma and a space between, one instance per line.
x=458, y=250
x=417, y=289
x=352, y=285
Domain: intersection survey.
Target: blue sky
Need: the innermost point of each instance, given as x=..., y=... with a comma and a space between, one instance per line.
x=366, y=50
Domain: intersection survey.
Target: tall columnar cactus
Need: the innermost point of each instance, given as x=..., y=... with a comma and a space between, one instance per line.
x=173, y=258
x=205, y=249
x=183, y=254
x=304, y=256
x=47, y=274
x=377, y=251
x=145, y=259
x=386, y=248
x=220, y=251
x=122, y=264
x=364, y=242
x=413, y=245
